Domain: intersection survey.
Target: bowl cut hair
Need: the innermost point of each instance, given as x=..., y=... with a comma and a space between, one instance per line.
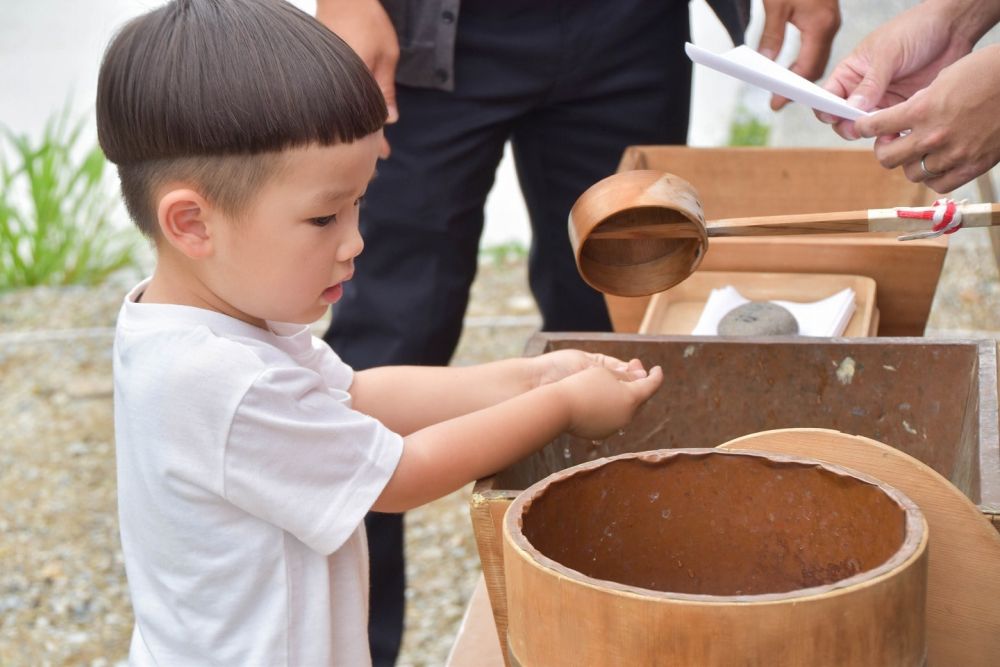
x=211, y=91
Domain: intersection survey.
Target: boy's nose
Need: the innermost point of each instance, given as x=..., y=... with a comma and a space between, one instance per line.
x=352, y=246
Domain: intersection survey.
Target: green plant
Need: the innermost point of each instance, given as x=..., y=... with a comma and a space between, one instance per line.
x=504, y=253
x=55, y=211
x=748, y=130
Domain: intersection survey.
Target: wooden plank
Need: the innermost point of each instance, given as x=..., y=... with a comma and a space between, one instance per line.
x=476, y=644
x=984, y=183
x=750, y=181
x=487, y=508
x=963, y=587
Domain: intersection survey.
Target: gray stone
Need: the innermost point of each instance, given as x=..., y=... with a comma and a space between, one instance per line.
x=758, y=318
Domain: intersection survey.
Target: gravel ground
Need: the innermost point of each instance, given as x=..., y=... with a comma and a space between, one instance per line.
x=63, y=598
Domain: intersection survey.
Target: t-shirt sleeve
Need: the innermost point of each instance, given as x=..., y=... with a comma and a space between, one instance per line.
x=298, y=457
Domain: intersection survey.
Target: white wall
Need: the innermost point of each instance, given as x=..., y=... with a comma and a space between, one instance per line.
x=50, y=51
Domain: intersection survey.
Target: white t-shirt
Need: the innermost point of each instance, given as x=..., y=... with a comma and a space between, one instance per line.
x=243, y=479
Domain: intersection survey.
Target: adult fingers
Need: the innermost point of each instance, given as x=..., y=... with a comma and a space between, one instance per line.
x=773, y=34
x=384, y=71
x=846, y=129
x=818, y=30
x=891, y=121
x=772, y=38
x=840, y=83
x=810, y=63
x=870, y=90
x=945, y=176
x=893, y=150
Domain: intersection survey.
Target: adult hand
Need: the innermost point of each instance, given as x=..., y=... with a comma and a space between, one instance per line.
x=366, y=28
x=817, y=21
x=953, y=125
x=902, y=56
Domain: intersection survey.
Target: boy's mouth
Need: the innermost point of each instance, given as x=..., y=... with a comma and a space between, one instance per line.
x=332, y=294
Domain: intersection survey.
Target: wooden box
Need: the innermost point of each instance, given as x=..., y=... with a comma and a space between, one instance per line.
x=737, y=182
x=935, y=400
x=677, y=310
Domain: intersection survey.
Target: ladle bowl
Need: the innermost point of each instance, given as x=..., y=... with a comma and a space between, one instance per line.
x=610, y=230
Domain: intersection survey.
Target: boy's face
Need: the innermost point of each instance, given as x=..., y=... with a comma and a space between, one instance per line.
x=287, y=258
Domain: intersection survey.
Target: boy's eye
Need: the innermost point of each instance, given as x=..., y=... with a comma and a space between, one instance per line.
x=323, y=220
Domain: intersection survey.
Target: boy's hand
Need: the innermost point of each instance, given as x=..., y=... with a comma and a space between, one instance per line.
x=554, y=366
x=602, y=401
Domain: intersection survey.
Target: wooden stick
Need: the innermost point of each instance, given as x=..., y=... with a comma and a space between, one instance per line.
x=872, y=220
x=797, y=223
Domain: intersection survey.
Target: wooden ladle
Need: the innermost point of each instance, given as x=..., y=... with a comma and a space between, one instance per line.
x=640, y=232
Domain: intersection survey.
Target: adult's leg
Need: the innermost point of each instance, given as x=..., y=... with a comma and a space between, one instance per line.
x=624, y=80
x=387, y=595
x=423, y=214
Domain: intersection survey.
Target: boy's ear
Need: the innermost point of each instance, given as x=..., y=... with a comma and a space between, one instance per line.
x=183, y=216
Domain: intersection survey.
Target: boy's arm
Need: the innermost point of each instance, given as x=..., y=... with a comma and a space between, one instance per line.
x=408, y=398
x=441, y=458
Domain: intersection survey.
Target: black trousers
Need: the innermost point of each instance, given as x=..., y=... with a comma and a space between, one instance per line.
x=570, y=83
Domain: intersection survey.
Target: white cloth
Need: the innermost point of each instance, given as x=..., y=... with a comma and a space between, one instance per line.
x=243, y=479
x=826, y=317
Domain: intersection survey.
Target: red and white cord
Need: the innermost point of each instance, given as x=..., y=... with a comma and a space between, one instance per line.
x=946, y=214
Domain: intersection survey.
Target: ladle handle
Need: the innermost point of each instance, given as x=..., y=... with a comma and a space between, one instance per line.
x=872, y=220
x=844, y=222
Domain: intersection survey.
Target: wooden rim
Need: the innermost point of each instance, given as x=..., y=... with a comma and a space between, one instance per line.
x=913, y=546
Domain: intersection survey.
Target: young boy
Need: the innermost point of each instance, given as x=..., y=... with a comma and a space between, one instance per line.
x=245, y=134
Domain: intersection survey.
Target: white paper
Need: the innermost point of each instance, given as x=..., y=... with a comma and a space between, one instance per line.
x=827, y=317
x=747, y=65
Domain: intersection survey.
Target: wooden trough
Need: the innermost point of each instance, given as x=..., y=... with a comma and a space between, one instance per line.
x=934, y=400
x=699, y=557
